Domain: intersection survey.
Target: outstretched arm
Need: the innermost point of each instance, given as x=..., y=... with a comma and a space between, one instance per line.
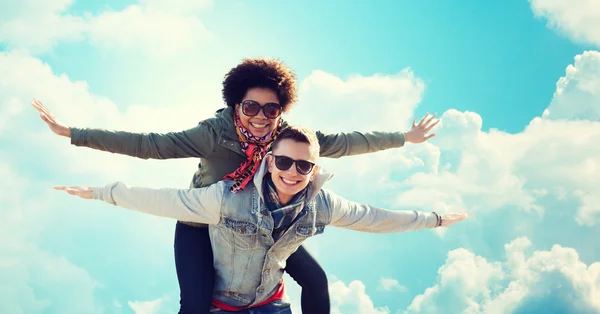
x=201, y=205
x=195, y=142
x=361, y=217
x=357, y=143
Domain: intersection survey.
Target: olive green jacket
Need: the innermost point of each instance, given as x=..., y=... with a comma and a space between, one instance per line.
x=216, y=143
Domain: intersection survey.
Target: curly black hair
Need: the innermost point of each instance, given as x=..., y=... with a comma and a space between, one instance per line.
x=262, y=73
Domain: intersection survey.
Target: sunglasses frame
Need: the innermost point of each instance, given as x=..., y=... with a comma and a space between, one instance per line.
x=244, y=104
x=294, y=162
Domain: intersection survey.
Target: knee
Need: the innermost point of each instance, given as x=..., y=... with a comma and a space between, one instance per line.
x=315, y=279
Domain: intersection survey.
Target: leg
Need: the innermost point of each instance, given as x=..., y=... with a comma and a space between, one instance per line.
x=195, y=271
x=307, y=272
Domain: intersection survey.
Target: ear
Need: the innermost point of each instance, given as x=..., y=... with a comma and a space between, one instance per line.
x=270, y=164
x=314, y=173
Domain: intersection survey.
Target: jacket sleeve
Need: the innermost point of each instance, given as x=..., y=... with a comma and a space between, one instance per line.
x=356, y=143
x=202, y=205
x=196, y=142
x=362, y=217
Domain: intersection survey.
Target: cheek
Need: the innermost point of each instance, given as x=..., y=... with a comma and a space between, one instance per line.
x=245, y=120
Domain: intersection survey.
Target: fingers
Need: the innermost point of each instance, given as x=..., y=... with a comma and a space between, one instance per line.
x=414, y=124
x=430, y=136
x=430, y=118
x=423, y=119
x=41, y=108
x=427, y=129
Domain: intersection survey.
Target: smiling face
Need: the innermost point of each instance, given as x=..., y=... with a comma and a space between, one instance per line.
x=259, y=125
x=289, y=182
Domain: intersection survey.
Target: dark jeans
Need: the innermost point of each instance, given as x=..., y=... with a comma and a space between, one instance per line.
x=196, y=274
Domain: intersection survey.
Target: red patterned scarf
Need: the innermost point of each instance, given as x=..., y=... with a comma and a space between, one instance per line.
x=255, y=148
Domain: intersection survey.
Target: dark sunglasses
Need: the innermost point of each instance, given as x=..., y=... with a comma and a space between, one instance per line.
x=252, y=108
x=302, y=166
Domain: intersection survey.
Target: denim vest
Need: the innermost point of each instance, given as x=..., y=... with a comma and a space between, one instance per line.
x=248, y=263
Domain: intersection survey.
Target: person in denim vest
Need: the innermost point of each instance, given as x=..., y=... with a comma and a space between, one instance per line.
x=253, y=232
x=231, y=146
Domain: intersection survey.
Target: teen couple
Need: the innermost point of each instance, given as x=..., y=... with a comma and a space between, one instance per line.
x=256, y=197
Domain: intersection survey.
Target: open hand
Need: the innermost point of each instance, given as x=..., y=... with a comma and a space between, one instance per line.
x=419, y=132
x=81, y=191
x=56, y=126
x=452, y=218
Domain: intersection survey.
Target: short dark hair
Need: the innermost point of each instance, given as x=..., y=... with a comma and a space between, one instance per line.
x=260, y=73
x=299, y=134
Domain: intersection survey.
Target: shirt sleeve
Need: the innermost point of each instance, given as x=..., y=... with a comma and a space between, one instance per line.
x=195, y=142
x=361, y=217
x=357, y=143
x=202, y=205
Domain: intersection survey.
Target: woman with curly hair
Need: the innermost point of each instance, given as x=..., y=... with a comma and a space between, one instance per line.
x=231, y=146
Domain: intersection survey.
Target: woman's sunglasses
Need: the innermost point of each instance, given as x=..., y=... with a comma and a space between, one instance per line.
x=302, y=166
x=252, y=108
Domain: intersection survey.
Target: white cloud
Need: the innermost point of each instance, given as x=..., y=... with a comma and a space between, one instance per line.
x=377, y=102
x=553, y=157
x=390, y=284
x=577, y=95
x=156, y=31
x=528, y=281
x=146, y=307
x=576, y=19
x=36, y=25
x=352, y=298
x=33, y=279
x=150, y=26
x=72, y=103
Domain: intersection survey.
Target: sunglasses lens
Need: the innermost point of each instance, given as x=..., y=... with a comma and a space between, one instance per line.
x=303, y=167
x=283, y=163
x=250, y=108
x=271, y=110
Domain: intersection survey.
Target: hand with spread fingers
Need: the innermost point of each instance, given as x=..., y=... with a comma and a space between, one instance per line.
x=81, y=191
x=419, y=132
x=56, y=126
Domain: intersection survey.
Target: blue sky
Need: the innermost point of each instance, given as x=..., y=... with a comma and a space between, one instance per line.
x=515, y=82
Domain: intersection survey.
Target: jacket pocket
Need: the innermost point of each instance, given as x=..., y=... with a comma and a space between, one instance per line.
x=309, y=230
x=243, y=234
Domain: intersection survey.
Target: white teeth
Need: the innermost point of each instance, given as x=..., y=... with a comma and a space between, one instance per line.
x=259, y=126
x=288, y=181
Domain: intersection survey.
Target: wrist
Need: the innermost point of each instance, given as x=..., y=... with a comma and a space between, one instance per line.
x=66, y=132
x=407, y=137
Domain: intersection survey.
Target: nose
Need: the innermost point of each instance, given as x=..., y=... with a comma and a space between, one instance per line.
x=292, y=170
x=261, y=114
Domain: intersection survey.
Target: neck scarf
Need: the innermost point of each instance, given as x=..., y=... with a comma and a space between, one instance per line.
x=255, y=149
x=283, y=215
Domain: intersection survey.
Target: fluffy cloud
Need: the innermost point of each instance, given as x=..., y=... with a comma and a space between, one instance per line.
x=381, y=102
x=577, y=19
x=527, y=282
x=38, y=24
x=553, y=157
x=72, y=103
x=145, y=307
x=34, y=280
x=577, y=95
x=389, y=284
x=149, y=26
x=352, y=298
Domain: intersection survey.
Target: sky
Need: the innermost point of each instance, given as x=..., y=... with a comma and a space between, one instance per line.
x=516, y=84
